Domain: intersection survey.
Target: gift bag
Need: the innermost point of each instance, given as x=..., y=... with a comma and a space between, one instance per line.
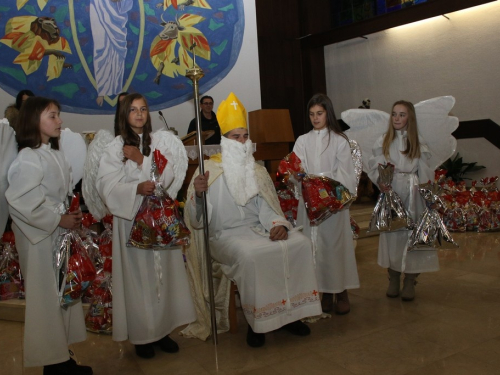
x=322, y=196
x=74, y=269
x=11, y=280
x=390, y=213
x=99, y=317
x=430, y=231
x=158, y=224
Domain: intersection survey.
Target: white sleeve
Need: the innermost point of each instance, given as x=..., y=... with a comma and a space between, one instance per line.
x=26, y=197
x=117, y=182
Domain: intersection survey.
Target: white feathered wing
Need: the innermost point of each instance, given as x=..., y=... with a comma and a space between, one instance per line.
x=94, y=153
x=434, y=124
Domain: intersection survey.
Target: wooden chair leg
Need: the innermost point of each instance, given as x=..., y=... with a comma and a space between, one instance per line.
x=233, y=320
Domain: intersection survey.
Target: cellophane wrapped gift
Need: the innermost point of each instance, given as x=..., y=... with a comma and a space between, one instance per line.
x=430, y=231
x=286, y=190
x=11, y=280
x=74, y=268
x=390, y=213
x=99, y=318
x=158, y=224
x=322, y=196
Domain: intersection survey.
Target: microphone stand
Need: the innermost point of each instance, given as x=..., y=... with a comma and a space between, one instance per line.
x=163, y=118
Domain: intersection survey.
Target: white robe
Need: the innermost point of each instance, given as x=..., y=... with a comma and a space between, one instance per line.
x=40, y=181
x=333, y=244
x=144, y=309
x=8, y=152
x=392, y=250
x=275, y=279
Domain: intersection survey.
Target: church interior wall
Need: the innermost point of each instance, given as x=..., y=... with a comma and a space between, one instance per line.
x=426, y=59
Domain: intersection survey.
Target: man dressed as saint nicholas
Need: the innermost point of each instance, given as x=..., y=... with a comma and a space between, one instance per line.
x=250, y=240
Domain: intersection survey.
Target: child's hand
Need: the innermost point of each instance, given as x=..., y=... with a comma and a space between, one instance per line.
x=146, y=188
x=201, y=183
x=71, y=220
x=133, y=153
x=278, y=233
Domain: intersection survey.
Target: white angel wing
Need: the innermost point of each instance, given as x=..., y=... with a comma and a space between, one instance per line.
x=165, y=140
x=75, y=150
x=435, y=127
x=92, y=199
x=366, y=126
x=434, y=124
x=8, y=152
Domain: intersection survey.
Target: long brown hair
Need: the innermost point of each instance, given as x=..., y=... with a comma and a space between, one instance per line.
x=324, y=101
x=412, y=150
x=28, y=123
x=129, y=136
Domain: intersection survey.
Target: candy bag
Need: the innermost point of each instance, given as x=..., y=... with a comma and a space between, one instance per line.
x=11, y=280
x=74, y=269
x=322, y=196
x=158, y=224
x=99, y=318
x=430, y=231
x=390, y=213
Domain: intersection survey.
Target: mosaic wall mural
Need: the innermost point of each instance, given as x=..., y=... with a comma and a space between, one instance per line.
x=85, y=52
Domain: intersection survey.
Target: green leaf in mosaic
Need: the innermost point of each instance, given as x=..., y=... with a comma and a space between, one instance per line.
x=15, y=73
x=68, y=89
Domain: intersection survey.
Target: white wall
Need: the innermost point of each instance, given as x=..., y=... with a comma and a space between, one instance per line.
x=243, y=80
x=458, y=57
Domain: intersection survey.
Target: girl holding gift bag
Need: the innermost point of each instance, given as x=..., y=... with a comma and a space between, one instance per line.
x=401, y=146
x=151, y=294
x=325, y=151
x=39, y=186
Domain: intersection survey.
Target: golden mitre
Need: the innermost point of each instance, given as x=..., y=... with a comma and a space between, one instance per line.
x=231, y=114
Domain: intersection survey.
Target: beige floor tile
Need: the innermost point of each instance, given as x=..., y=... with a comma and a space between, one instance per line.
x=488, y=351
x=458, y=364
x=363, y=358
x=313, y=364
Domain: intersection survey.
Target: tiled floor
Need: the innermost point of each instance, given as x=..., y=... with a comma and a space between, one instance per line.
x=452, y=327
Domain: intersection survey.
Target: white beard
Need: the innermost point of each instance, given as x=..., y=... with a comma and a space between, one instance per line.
x=238, y=165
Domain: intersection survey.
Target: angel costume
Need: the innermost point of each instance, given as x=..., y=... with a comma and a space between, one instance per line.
x=150, y=287
x=437, y=144
x=275, y=279
x=39, y=185
x=408, y=174
x=326, y=153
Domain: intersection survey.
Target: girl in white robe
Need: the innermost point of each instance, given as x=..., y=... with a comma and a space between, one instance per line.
x=402, y=147
x=326, y=151
x=151, y=294
x=39, y=186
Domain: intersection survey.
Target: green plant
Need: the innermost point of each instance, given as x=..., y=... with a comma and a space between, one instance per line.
x=456, y=168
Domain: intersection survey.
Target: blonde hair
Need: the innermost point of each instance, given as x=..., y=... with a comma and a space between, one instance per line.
x=412, y=150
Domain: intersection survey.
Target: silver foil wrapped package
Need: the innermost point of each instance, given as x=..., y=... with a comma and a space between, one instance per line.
x=430, y=231
x=390, y=213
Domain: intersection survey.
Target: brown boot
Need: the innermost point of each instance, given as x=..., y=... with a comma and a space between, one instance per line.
x=342, y=305
x=394, y=283
x=408, y=292
x=327, y=302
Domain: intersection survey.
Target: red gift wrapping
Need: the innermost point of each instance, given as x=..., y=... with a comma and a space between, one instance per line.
x=160, y=160
x=322, y=195
x=99, y=318
x=79, y=272
x=11, y=280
